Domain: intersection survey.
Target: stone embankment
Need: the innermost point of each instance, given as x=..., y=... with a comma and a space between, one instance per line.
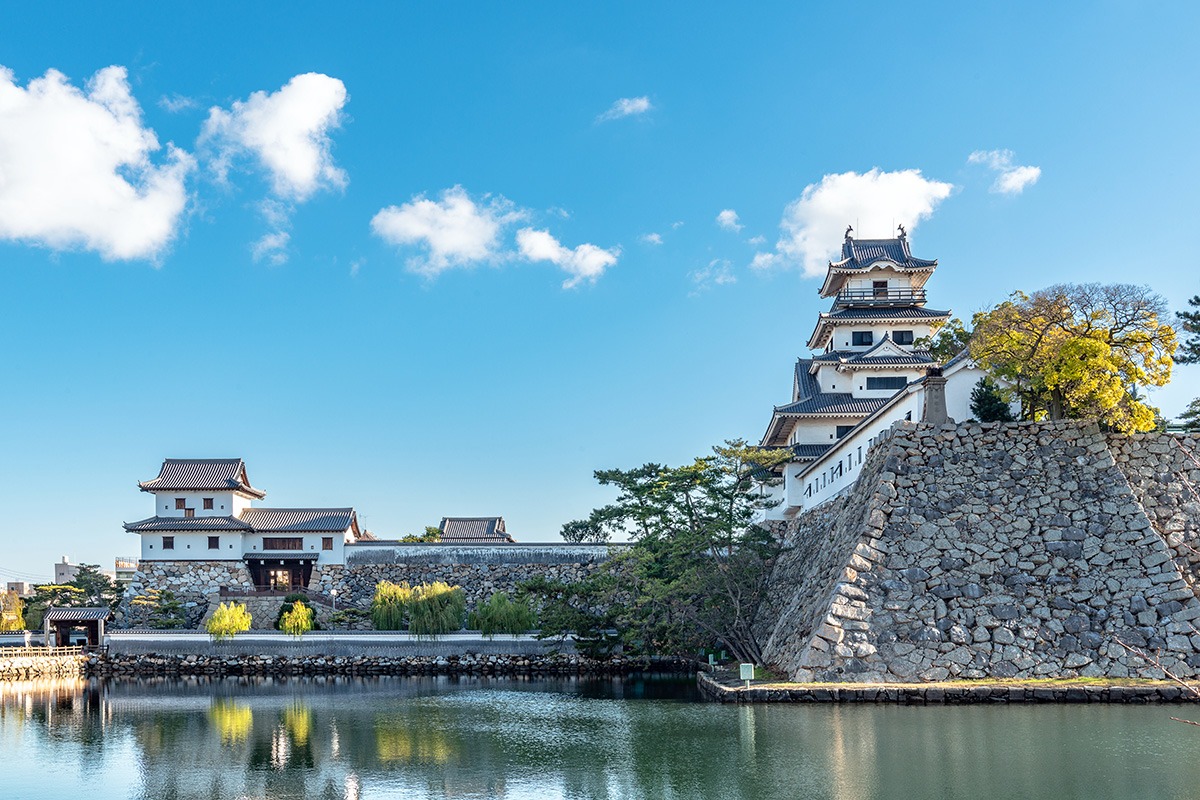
x=727, y=690
x=1024, y=551
x=21, y=667
x=467, y=664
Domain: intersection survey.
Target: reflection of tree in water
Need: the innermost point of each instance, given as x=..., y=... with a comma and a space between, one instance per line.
x=232, y=720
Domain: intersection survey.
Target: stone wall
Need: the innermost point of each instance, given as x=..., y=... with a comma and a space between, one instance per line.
x=479, y=570
x=1164, y=474
x=985, y=550
x=194, y=584
x=27, y=666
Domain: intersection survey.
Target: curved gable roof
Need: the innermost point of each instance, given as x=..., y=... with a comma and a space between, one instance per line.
x=202, y=475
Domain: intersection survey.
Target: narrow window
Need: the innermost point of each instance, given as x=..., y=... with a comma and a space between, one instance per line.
x=892, y=382
x=902, y=337
x=283, y=543
x=860, y=455
x=208, y=503
x=168, y=543
x=189, y=512
x=861, y=338
x=214, y=543
x=180, y=503
x=326, y=542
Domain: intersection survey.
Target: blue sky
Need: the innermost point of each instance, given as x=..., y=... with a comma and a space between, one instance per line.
x=232, y=296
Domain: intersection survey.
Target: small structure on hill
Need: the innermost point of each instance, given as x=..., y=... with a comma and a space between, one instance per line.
x=474, y=530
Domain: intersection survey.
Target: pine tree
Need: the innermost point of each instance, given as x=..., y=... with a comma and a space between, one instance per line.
x=988, y=404
x=1189, y=351
x=1190, y=418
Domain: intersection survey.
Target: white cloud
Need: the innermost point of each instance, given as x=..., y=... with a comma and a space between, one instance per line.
x=75, y=168
x=651, y=238
x=813, y=225
x=1010, y=179
x=176, y=103
x=728, y=219
x=756, y=241
x=719, y=272
x=287, y=132
x=455, y=231
x=272, y=247
x=626, y=107
x=587, y=262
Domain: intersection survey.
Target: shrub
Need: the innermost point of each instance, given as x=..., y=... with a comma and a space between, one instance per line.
x=502, y=615
x=227, y=621
x=436, y=608
x=390, y=604
x=298, y=621
x=288, y=604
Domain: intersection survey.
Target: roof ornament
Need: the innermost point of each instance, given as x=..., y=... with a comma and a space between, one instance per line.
x=903, y=233
x=849, y=228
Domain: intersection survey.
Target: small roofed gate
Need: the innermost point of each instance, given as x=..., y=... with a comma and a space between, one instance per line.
x=58, y=623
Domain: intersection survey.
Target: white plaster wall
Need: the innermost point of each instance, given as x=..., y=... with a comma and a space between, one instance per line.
x=819, y=431
x=312, y=544
x=191, y=546
x=842, y=337
x=224, y=504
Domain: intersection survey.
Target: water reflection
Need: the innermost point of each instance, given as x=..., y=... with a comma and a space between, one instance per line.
x=477, y=738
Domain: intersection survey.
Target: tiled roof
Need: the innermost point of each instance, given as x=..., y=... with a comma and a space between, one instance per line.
x=271, y=520
x=804, y=452
x=474, y=530
x=806, y=384
x=853, y=357
x=151, y=524
x=833, y=403
x=202, y=475
x=885, y=312
x=76, y=614
x=861, y=253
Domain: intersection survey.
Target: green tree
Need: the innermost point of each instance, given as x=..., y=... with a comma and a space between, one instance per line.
x=163, y=608
x=12, y=612
x=389, y=606
x=1074, y=351
x=946, y=342
x=227, y=621
x=1190, y=418
x=988, y=403
x=431, y=534
x=1189, y=321
x=98, y=589
x=297, y=621
x=698, y=569
x=436, y=608
x=501, y=614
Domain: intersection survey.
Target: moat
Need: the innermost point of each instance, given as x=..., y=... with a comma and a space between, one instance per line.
x=356, y=739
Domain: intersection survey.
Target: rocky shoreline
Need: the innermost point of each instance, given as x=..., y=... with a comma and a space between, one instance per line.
x=159, y=664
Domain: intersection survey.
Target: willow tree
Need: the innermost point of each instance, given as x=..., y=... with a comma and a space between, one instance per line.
x=1079, y=350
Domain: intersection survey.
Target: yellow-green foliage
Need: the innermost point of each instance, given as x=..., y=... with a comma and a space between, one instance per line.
x=227, y=621
x=428, y=609
x=232, y=720
x=12, y=612
x=298, y=621
x=389, y=605
x=502, y=615
x=436, y=608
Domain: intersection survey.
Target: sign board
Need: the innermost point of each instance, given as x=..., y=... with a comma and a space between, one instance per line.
x=746, y=672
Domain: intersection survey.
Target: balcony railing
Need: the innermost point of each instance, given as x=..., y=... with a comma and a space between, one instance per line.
x=878, y=297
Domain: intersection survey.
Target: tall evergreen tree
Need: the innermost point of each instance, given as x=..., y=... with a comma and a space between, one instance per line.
x=1189, y=350
x=1190, y=418
x=988, y=403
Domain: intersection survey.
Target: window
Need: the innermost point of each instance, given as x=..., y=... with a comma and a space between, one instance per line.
x=214, y=543
x=180, y=503
x=283, y=543
x=168, y=543
x=897, y=382
x=326, y=542
x=902, y=337
x=208, y=503
x=862, y=338
x=860, y=455
x=879, y=288
x=842, y=430
x=189, y=512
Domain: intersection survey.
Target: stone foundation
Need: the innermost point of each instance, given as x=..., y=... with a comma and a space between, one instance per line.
x=194, y=584
x=1000, y=550
x=28, y=667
